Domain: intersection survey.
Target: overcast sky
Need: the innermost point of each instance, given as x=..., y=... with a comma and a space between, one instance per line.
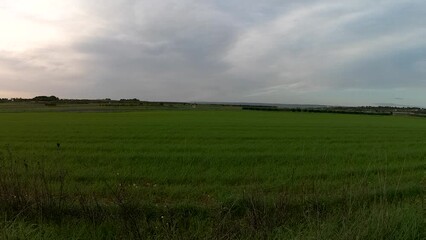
x=352, y=52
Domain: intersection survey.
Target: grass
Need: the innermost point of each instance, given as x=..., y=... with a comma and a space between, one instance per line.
x=211, y=175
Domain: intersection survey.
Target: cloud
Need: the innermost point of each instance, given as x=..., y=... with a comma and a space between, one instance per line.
x=168, y=50
x=310, y=51
x=46, y=71
x=36, y=47
x=323, y=46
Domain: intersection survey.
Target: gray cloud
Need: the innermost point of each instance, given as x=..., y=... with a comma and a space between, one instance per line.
x=273, y=51
x=174, y=52
x=322, y=47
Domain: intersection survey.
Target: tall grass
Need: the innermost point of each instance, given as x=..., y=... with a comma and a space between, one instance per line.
x=35, y=206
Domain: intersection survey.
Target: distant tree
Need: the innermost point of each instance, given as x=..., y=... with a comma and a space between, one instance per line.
x=18, y=100
x=129, y=100
x=46, y=98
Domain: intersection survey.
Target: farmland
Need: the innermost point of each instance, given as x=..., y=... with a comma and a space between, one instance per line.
x=211, y=174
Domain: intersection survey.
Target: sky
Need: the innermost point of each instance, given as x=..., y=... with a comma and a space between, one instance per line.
x=333, y=52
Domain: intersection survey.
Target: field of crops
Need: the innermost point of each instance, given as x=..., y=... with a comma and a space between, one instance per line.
x=218, y=174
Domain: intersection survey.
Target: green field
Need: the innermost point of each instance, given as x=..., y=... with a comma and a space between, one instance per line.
x=218, y=174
